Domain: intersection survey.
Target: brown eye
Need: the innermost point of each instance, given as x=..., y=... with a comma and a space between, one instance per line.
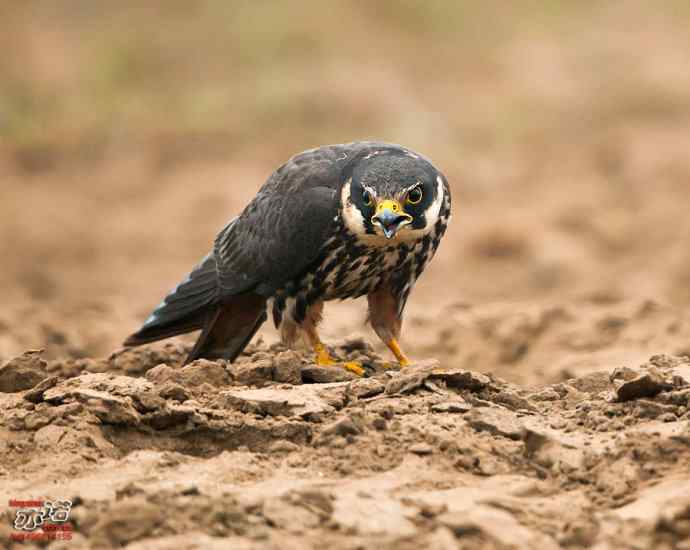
x=415, y=196
x=366, y=198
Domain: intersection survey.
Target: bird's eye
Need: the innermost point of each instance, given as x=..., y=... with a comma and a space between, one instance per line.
x=414, y=196
x=366, y=198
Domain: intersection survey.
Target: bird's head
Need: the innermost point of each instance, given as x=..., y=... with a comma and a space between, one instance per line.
x=392, y=194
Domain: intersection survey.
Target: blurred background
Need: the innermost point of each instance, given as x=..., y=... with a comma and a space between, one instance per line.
x=130, y=133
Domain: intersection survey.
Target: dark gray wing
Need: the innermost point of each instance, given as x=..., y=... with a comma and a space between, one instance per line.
x=277, y=237
x=280, y=233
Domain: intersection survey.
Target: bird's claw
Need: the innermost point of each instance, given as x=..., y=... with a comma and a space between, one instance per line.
x=363, y=370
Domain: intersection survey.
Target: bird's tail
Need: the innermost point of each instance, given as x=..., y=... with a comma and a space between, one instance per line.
x=185, y=309
x=227, y=326
x=230, y=327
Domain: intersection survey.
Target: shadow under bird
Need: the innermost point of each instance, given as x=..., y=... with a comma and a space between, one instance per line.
x=336, y=222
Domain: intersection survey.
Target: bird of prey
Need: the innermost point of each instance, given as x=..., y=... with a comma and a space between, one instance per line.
x=336, y=222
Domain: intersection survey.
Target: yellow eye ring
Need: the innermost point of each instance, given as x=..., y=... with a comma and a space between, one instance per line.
x=366, y=198
x=414, y=196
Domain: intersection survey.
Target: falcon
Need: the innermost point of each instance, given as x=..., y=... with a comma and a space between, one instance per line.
x=336, y=222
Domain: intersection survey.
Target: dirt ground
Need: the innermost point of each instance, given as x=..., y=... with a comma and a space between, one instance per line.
x=549, y=403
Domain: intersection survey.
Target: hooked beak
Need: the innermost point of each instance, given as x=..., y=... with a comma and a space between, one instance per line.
x=390, y=217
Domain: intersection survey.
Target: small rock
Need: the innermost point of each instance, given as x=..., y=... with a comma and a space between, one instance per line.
x=513, y=400
x=36, y=420
x=593, y=383
x=651, y=409
x=366, y=387
x=668, y=417
x=495, y=421
x=547, y=394
x=282, y=446
x=405, y=382
x=433, y=387
x=557, y=423
x=681, y=374
x=287, y=368
x=15, y=420
x=315, y=374
x=421, y=449
x=623, y=374
x=338, y=442
x=147, y=401
x=66, y=410
x=169, y=415
x=300, y=401
x=333, y=394
x=343, y=426
x=160, y=373
x=139, y=360
x=255, y=373
x=23, y=372
x=35, y=394
x=201, y=371
x=456, y=406
x=666, y=361
x=109, y=408
x=414, y=376
x=173, y=391
x=647, y=384
x=379, y=423
x=94, y=365
x=551, y=449
x=49, y=436
x=288, y=516
x=461, y=379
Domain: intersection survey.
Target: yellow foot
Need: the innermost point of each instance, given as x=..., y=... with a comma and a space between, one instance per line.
x=354, y=366
x=324, y=359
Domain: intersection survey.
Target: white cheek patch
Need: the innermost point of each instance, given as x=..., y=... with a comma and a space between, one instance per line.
x=351, y=215
x=434, y=210
x=432, y=214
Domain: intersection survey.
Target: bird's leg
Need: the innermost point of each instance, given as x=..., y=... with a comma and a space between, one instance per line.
x=322, y=356
x=399, y=354
x=383, y=314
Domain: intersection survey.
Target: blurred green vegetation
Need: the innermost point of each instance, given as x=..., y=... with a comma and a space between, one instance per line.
x=81, y=75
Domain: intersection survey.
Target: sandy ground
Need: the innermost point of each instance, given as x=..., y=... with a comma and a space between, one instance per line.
x=548, y=406
x=274, y=452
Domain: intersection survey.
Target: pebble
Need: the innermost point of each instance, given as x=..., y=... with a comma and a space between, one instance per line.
x=283, y=446
x=343, y=426
x=451, y=407
x=421, y=449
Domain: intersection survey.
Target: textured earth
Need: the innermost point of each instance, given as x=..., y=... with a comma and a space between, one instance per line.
x=275, y=452
x=548, y=406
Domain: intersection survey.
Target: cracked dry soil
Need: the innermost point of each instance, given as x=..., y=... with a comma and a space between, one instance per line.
x=273, y=452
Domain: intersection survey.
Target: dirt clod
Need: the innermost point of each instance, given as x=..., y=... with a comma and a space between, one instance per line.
x=647, y=384
x=432, y=452
x=496, y=421
x=23, y=372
